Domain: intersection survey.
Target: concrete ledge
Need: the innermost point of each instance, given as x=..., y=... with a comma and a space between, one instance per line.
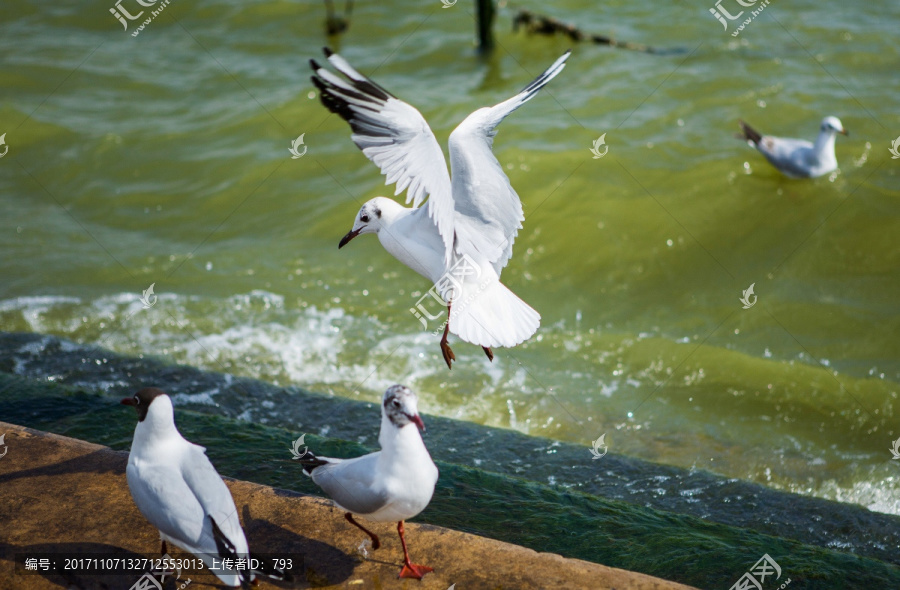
x=62, y=495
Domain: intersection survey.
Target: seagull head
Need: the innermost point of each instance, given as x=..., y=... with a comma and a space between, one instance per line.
x=832, y=125
x=400, y=406
x=142, y=400
x=368, y=220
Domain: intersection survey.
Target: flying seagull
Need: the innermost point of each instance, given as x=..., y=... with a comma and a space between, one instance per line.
x=798, y=158
x=178, y=490
x=395, y=483
x=461, y=239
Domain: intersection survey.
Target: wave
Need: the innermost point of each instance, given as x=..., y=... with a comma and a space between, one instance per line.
x=785, y=424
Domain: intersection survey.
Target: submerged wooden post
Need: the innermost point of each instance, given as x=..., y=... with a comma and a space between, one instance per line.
x=484, y=20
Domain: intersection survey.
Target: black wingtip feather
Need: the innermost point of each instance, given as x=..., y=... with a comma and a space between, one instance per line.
x=327, y=51
x=352, y=98
x=538, y=83
x=369, y=87
x=314, y=65
x=336, y=106
x=226, y=549
x=310, y=462
x=334, y=98
x=750, y=134
x=329, y=101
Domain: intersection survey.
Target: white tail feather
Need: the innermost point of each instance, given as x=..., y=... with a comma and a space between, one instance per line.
x=494, y=316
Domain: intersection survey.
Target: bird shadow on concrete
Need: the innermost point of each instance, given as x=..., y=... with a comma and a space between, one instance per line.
x=314, y=563
x=75, y=575
x=352, y=560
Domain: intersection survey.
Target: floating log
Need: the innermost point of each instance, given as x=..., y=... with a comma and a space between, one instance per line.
x=537, y=24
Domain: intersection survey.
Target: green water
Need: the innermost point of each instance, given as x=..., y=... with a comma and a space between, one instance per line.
x=164, y=159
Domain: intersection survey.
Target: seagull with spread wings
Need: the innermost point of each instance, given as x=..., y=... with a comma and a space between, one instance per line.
x=462, y=237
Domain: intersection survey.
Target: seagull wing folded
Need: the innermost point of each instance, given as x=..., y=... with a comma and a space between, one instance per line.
x=352, y=483
x=394, y=136
x=164, y=498
x=791, y=156
x=215, y=499
x=489, y=210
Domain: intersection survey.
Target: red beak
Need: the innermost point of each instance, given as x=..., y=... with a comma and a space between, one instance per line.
x=128, y=401
x=418, y=422
x=350, y=235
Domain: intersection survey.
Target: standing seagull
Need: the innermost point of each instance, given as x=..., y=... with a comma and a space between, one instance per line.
x=178, y=490
x=395, y=483
x=798, y=158
x=463, y=237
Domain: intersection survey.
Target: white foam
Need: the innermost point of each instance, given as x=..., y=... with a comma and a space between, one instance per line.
x=204, y=397
x=878, y=496
x=36, y=303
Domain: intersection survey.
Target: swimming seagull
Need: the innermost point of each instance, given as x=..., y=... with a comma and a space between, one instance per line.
x=179, y=491
x=395, y=483
x=463, y=237
x=798, y=158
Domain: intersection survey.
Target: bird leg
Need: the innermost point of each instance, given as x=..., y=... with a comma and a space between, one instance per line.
x=375, y=542
x=445, y=348
x=490, y=353
x=162, y=572
x=410, y=570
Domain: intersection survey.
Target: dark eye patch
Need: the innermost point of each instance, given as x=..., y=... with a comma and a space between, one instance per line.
x=364, y=219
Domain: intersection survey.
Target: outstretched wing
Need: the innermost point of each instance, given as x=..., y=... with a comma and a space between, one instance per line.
x=490, y=212
x=394, y=136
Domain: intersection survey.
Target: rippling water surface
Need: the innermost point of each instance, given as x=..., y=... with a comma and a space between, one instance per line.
x=163, y=159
